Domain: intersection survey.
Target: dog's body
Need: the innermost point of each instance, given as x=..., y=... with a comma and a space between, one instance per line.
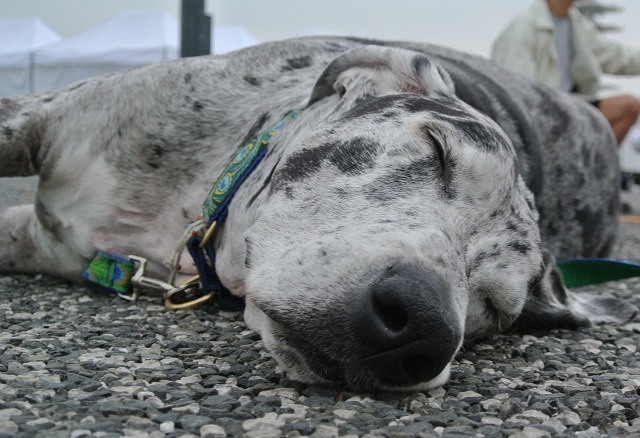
x=391, y=218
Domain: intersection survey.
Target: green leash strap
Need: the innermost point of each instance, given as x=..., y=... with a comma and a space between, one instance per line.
x=111, y=272
x=583, y=272
x=114, y=273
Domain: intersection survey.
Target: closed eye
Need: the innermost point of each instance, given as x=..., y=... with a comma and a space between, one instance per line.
x=442, y=160
x=437, y=144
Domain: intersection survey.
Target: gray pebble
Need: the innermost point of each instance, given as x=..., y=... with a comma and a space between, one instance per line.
x=75, y=362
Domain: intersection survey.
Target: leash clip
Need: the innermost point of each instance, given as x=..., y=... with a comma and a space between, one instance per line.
x=140, y=281
x=189, y=294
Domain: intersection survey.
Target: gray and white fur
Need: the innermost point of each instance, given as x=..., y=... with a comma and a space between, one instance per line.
x=421, y=197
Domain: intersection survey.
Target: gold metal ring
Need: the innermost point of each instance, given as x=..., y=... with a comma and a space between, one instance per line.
x=208, y=232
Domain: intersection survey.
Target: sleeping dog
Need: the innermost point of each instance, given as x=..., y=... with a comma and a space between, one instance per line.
x=419, y=197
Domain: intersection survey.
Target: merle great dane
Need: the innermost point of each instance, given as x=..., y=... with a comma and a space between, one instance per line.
x=420, y=198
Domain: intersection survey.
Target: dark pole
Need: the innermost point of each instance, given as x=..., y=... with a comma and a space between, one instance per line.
x=195, y=29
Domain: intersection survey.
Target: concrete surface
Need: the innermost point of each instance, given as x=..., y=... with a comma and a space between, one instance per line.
x=16, y=191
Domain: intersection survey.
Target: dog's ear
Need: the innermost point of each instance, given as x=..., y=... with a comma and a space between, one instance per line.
x=551, y=305
x=386, y=70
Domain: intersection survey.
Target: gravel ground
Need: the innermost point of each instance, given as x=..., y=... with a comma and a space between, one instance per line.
x=82, y=363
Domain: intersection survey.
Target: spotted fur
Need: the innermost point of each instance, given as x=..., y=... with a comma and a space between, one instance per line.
x=419, y=199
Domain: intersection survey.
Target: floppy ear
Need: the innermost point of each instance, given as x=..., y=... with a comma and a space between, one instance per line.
x=551, y=305
x=396, y=70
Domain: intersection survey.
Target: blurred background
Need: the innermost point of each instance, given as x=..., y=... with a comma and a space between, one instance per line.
x=68, y=26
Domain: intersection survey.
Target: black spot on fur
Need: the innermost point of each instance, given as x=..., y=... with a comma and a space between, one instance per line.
x=288, y=192
x=47, y=220
x=48, y=99
x=340, y=193
x=478, y=134
x=8, y=132
x=197, y=106
x=483, y=256
x=516, y=230
x=558, y=120
x=511, y=226
x=350, y=157
x=297, y=63
x=255, y=129
x=402, y=182
x=187, y=78
x=372, y=106
x=155, y=159
x=265, y=184
x=420, y=64
x=252, y=80
x=361, y=100
x=443, y=107
x=521, y=247
x=390, y=114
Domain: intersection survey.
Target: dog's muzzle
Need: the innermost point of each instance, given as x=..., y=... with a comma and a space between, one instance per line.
x=406, y=328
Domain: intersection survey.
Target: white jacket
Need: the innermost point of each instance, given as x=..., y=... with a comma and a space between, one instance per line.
x=527, y=46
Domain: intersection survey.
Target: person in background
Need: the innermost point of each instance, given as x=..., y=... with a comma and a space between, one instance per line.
x=554, y=43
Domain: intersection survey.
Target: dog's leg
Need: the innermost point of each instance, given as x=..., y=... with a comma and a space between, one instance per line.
x=20, y=136
x=26, y=247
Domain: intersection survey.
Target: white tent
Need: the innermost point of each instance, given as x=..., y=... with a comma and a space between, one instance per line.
x=229, y=38
x=19, y=38
x=319, y=31
x=129, y=39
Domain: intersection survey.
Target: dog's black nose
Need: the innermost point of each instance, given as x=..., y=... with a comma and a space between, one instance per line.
x=406, y=327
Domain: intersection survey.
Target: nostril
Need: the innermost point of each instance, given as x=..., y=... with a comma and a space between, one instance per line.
x=393, y=316
x=405, y=328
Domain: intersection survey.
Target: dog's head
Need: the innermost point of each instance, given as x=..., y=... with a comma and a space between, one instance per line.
x=397, y=225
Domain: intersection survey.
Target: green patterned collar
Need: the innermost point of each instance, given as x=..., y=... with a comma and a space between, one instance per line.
x=120, y=275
